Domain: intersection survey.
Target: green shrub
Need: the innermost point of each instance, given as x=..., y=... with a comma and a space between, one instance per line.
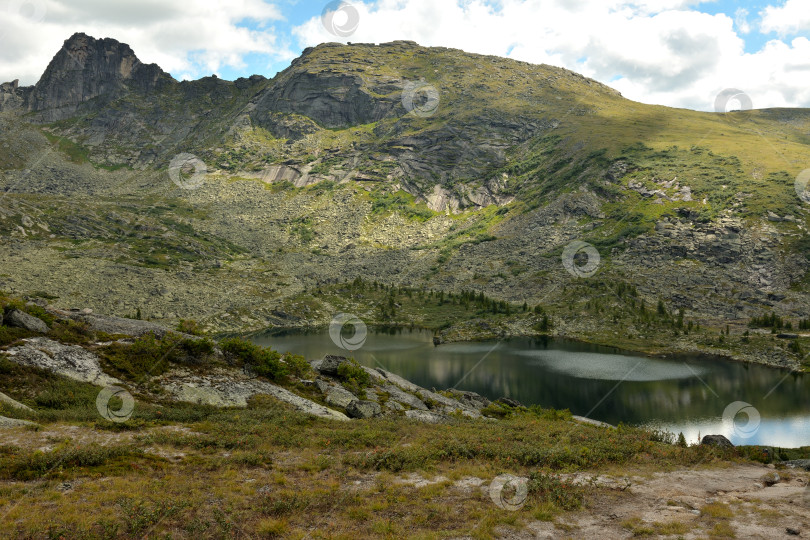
x=549, y=488
x=79, y=333
x=197, y=348
x=28, y=466
x=297, y=365
x=150, y=356
x=264, y=361
x=10, y=335
x=189, y=327
x=40, y=313
x=497, y=410
x=353, y=377
x=62, y=393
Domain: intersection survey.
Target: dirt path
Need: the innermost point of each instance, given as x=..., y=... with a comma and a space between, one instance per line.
x=700, y=503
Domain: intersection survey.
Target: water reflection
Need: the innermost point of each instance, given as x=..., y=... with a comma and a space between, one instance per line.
x=687, y=394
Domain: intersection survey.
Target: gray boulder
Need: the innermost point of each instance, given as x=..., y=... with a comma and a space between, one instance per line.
x=6, y=400
x=227, y=390
x=337, y=396
x=330, y=363
x=426, y=416
x=72, y=361
x=21, y=319
x=591, y=421
x=113, y=325
x=393, y=406
x=363, y=409
x=797, y=464
x=14, y=422
x=509, y=402
x=403, y=397
x=716, y=440
x=470, y=399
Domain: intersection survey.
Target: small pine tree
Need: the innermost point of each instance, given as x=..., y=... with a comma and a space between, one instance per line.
x=681, y=440
x=138, y=314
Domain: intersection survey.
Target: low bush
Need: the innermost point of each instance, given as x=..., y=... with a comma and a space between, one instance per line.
x=30, y=465
x=189, y=327
x=353, y=377
x=297, y=365
x=149, y=356
x=549, y=488
x=264, y=361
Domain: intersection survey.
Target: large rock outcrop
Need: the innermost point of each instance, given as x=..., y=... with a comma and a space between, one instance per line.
x=86, y=68
x=71, y=361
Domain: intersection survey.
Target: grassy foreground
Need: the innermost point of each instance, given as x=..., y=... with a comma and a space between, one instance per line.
x=179, y=470
x=267, y=471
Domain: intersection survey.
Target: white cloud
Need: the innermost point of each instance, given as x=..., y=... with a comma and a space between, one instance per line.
x=192, y=37
x=789, y=19
x=741, y=21
x=654, y=51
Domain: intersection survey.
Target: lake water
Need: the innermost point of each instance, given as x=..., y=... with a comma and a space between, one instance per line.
x=696, y=396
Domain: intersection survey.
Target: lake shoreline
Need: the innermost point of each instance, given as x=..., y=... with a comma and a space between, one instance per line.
x=682, y=347
x=563, y=372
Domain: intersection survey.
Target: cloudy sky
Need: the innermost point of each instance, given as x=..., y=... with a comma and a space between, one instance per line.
x=673, y=52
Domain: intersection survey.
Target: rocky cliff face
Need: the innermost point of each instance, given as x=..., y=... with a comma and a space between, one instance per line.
x=85, y=69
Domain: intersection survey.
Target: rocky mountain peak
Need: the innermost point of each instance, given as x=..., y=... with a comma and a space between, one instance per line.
x=86, y=68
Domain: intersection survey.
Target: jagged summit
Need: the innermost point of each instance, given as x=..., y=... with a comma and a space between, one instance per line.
x=86, y=68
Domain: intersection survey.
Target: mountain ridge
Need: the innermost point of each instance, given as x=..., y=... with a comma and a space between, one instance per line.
x=426, y=167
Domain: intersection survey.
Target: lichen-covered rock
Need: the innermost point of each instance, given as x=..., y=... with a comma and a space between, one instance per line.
x=113, y=325
x=428, y=417
x=72, y=361
x=472, y=400
x=717, y=440
x=770, y=478
x=363, y=409
x=330, y=363
x=231, y=389
x=4, y=399
x=337, y=396
x=14, y=422
x=393, y=378
x=400, y=396
x=393, y=406
x=432, y=400
x=21, y=319
x=591, y=421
